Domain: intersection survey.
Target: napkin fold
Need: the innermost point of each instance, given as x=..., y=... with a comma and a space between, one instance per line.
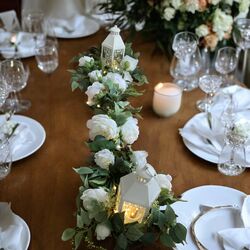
x=21, y=138
x=238, y=238
x=240, y=96
x=68, y=26
x=10, y=229
x=24, y=42
x=200, y=135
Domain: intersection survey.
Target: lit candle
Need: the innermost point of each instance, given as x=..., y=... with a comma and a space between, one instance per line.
x=167, y=99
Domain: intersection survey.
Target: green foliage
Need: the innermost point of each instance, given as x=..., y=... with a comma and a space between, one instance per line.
x=99, y=143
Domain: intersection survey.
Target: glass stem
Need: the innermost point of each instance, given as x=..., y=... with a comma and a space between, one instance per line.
x=232, y=156
x=209, y=101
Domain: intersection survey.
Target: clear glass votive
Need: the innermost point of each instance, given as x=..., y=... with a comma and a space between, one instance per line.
x=167, y=99
x=47, y=56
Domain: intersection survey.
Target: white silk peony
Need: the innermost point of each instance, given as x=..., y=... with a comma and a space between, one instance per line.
x=85, y=59
x=222, y=23
x=242, y=128
x=169, y=13
x=139, y=158
x=130, y=130
x=202, y=30
x=95, y=75
x=116, y=79
x=164, y=181
x=98, y=194
x=92, y=91
x=102, y=125
x=129, y=63
x=102, y=231
x=104, y=158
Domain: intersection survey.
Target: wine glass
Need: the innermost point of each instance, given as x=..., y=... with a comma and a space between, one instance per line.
x=185, y=71
x=208, y=84
x=232, y=160
x=186, y=61
x=4, y=92
x=5, y=157
x=226, y=62
x=241, y=37
x=15, y=77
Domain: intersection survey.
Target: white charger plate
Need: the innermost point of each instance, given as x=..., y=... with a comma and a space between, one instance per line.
x=87, y=28
x=35, y=130
x=208, y=225
x=25, y=234
x=209, y=195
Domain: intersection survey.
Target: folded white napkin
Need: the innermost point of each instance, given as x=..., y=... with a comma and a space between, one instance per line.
x=240, y=95
x=21, y=138
x=9, y=20
x=62, y=26
x=200, y=135
x=24, y=41
x=10, y=230
x=238, y=238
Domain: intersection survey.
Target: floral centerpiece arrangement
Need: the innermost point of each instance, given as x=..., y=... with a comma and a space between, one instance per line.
x=211, y=20
x=121, y=195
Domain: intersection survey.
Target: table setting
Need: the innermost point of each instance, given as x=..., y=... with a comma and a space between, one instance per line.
x=176, y=179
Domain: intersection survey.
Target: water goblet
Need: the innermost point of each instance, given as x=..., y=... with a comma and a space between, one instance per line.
x=208, y=84
x=226, y=62
x=5, y=157
x=47, y=55
x=232, y=160
x=15, y=77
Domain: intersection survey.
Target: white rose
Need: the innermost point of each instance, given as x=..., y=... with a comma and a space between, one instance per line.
x=215, y=2
x=202, y=30
x=92, y=91
x=7, y=127
x=139, y=158
x=244, y=6
x=104, y=158
x=176, y=4
x=116, y=79
x=130, y=130
x=192, y=5
x=95, y=75
x=221, y=23
x=102, y=125
x=229, y=2
x=242, y=128
x=129, y=63
x=169, y=13
x=98, y=194
x=164, y=181
x=85, y=59
x=127, y=77
x=102, y=231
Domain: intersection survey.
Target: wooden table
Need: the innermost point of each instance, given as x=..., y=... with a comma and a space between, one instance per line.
x=42, y=188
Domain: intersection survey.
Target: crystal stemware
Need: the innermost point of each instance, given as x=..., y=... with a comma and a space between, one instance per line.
x=226, y=62
x=208, y=84
x=232, y=160
x=15, y=77
x=5, y=157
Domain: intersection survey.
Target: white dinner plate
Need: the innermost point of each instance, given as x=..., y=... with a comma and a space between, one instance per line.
x=204, y=150
x=208, y=225
x=25, y=234
x=209, y=195
x=33, y=130
x=87, y=28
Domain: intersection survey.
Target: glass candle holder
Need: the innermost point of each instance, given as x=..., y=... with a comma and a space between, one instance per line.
x=167, y=99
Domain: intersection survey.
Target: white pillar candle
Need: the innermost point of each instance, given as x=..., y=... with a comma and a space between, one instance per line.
x=167, y=99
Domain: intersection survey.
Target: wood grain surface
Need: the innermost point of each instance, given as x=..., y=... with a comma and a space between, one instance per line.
x=42, y=188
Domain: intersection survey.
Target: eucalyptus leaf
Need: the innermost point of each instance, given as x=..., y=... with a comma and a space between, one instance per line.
x=117, y=222
x=68, y=234
x=166, y=240
x=170, y=215
x=122, y=241
x=83, y=170
x=78, y=239
x=134, y=233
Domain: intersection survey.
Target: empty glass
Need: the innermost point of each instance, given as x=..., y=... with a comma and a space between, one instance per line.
x=47, y=55
x=15, y=77
x=232, y=160
x=226, y=62
x=4, y=92
x=208, y=84
x=5, y=157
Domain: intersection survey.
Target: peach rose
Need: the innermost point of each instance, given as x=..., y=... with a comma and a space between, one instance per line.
x=211, y=41
x=202, y=5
